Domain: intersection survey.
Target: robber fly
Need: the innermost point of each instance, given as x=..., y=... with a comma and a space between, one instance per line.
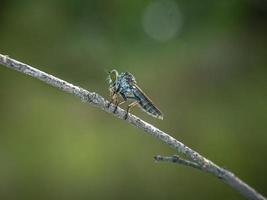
x=125, y=85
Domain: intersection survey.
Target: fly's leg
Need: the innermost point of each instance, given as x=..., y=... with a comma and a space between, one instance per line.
x=135, y=103
x=118, y=104
x=113, y=98
x=121, y=103
x=110, y=102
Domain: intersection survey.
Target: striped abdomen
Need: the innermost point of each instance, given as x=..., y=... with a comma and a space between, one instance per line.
x=146, y=104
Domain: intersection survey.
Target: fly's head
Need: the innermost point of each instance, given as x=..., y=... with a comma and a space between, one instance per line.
x=129, y=78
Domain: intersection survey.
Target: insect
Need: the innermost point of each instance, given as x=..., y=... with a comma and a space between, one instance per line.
x=125, y=85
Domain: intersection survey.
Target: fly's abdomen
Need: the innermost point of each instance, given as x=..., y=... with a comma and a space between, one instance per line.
x=146, y=104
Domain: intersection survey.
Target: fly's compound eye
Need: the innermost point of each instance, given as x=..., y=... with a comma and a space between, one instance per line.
x=130, y=79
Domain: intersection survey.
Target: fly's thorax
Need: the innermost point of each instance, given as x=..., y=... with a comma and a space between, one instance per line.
x=123, y=84
x=126, y=80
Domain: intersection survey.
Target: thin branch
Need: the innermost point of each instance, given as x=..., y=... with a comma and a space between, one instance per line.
x=98, y=101
x=178, y=160
x=181, y=161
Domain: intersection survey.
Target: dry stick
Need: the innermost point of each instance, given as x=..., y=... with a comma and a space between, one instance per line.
x=98, y=101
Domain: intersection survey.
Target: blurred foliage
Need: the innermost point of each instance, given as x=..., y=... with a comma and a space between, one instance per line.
x=209, y=80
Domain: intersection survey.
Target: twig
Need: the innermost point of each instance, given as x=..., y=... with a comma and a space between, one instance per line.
x=98, y=101
x=181, y=161
x=178, y=160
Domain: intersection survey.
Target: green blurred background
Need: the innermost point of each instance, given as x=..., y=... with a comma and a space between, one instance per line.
x=202, y=62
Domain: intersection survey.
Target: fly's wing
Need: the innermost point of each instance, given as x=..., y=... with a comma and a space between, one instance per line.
x=146, y=104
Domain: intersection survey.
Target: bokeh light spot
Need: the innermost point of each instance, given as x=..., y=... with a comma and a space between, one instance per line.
x=162, y=20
